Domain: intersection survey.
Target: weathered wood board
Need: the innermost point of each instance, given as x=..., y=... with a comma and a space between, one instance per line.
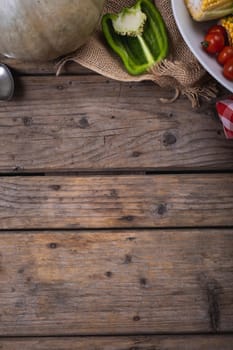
x=191, y=200
x=21, y=68
x=116, y=282
x=223, y=342
x=75, y=123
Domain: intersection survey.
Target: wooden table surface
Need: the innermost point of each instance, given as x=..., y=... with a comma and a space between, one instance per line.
x=116, y=217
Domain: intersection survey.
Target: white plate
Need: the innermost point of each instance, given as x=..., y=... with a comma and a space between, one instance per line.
x=193, y=33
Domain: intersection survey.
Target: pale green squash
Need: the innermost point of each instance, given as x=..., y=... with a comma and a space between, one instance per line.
x=41, y=30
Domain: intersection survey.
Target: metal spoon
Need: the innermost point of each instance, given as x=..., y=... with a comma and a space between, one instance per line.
x=7, y=85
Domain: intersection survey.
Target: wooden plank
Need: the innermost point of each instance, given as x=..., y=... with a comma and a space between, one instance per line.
x=90, y=283
x=90, y=123
x=42, y=68
x=116, y=201
x=223, y=342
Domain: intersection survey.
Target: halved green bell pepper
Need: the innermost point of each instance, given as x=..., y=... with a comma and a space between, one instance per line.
x=137, y=35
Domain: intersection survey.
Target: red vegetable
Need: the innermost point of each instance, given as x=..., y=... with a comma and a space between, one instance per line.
x=225, y=55
x=213, y=43
x=217, y=28
x=228, y=69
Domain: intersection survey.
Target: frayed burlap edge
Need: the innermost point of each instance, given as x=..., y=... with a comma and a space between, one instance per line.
x=207, y=89
x=173, y=73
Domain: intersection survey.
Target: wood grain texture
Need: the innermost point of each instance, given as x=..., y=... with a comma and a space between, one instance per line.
x=116, y=201
x=42, y=68
x=90, y=123
x=125, y=282
x=220, y=342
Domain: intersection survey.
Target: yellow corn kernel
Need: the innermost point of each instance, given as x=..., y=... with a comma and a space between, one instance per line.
x=214, y=4
x=227, y=23
x=204, y=10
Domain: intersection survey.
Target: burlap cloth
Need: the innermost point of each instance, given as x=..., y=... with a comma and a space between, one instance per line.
x=180, y=71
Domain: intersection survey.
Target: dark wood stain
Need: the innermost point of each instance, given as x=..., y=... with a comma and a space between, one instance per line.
x=162, y=209
x=128, y=259
x=143, y=282
x=131, y=238
x=27, y=121
x=55, y=187
x=114, y=193
x=136, y=318
x=83, y=123
x=128, y=218
x=213, y=290
x=53, y=245
x=109, y=274
x=169, y=139
x=136, y=154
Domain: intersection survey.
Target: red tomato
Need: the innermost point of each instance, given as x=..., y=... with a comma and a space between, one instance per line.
x=217, y=28
x=228, y=69
x=225, y=54
x=213, y=43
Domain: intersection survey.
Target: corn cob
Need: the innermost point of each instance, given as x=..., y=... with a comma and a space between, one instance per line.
x=204, y=10
x=227, y=23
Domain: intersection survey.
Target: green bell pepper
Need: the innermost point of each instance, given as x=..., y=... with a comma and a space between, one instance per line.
x=137, y=35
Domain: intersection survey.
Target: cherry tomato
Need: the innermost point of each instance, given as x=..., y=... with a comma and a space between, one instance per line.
x=228, y=69
x=225, y=54
x=217, y=28
x=213, y=43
